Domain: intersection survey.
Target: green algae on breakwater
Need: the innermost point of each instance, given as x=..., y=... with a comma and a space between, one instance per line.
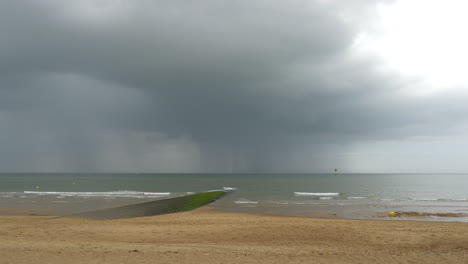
x=166, y=206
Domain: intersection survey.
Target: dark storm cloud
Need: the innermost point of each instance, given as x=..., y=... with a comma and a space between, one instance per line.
x=190, y=86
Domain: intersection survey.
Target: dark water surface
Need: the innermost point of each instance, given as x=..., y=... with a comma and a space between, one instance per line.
x=325, y=195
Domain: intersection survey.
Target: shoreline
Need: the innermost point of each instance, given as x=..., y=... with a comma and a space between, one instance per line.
x=369, y=215
x=211, y=236
x=322, y=214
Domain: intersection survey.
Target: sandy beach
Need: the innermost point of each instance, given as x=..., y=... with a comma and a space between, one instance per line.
x=207, y=236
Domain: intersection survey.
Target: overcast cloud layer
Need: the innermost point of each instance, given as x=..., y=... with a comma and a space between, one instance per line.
x=212, y=86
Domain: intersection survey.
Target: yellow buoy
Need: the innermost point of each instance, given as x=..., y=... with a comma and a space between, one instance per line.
x=367, y=189
x=37, y=187
x=391, y=214
x=371, y=195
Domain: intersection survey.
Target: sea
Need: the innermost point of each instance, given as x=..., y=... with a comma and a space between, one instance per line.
x=427, y=197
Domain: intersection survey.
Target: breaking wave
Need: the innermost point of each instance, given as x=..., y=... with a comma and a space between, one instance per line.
x=133, y=194
x=315, y=194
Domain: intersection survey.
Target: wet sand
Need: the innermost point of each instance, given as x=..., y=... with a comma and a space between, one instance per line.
x=206, y=236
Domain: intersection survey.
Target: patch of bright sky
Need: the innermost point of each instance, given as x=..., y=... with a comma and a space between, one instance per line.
x=425, y=39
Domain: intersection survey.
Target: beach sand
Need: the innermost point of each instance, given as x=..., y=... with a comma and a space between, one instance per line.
x=207, y=236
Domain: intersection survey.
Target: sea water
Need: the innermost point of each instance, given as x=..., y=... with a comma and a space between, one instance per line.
x=358, y=196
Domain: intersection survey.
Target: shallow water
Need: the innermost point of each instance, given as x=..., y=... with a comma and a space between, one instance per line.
x=323, y=195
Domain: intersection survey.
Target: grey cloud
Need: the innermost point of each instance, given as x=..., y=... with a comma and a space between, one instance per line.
x=181, y=85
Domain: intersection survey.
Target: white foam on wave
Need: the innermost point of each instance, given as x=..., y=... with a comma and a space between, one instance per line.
x=7, y=194
x=447, y=200
x=245, y=201
x=132, y=194
x=454, y=200
x=356, y=197
x=224, y=189
x=315, y=194
x=294, y=203
x=426, y=199
x=326, y=198
x=157, y=193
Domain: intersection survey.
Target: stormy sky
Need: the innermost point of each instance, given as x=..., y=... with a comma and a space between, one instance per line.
x=233, y=86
